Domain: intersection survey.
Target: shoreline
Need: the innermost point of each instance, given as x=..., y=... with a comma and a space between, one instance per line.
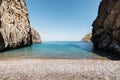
x=59, y=69
x=48, y=58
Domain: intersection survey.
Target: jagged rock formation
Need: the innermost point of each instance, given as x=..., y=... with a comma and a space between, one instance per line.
x=87, y=38
x=106, y=28
x=35, y=36
x=15, y=28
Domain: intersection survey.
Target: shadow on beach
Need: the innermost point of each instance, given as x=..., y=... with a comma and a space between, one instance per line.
x=109, y=55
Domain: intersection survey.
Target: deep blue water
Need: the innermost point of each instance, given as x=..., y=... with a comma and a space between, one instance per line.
x=67, y=50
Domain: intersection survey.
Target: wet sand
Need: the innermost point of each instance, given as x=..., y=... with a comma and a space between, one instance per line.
x=59, y=69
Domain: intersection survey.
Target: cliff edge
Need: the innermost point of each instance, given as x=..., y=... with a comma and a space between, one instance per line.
x=106, y=27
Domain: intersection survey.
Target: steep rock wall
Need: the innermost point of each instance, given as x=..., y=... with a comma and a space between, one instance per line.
x=15, y=28
x=106, y=27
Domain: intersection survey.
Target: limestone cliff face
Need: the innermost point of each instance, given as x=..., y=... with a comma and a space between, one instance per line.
x=35, y=36
x=106, y=27
x=15, y=28
x=87, y=37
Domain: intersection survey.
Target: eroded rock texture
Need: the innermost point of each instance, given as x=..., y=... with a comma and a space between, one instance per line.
x=35, y=36
x=106, y=28
x=15, y=29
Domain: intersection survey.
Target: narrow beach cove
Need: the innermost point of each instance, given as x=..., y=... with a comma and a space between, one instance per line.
x=57, y=61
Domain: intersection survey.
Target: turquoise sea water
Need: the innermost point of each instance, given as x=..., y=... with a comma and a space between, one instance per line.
x=65, y=50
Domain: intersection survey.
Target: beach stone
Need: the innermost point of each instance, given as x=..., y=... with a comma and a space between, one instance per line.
x=87, y=37
x=106, y=27
x=15, y=30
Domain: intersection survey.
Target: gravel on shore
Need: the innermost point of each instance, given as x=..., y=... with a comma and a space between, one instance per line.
x=59, y=69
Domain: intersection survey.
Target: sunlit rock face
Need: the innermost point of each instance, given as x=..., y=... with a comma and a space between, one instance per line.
x=106, y=27
x=15, y=28
x=87, y=37
x=35, y=36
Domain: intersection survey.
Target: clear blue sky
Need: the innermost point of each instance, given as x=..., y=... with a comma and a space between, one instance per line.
x=62, y=20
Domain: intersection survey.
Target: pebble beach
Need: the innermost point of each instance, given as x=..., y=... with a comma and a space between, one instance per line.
x=59, y=69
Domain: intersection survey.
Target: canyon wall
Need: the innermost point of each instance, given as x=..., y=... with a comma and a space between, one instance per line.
x=15, y=30
x=106, y=27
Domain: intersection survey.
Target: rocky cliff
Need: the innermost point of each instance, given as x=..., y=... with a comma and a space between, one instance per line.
x=106, y=27
x=15, y=28
x=87, y=37
x=35, y=36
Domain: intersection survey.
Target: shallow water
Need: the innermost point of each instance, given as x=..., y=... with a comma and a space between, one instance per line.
x=65, y=50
